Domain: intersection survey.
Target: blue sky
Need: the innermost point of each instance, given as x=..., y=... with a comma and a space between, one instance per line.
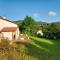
x=40, y=10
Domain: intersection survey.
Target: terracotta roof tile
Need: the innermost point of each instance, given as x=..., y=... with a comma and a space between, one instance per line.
x=9, y=29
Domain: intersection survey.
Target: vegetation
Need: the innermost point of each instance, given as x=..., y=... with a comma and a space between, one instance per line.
x=36, y=49
x=29, y=26
x=52, y=31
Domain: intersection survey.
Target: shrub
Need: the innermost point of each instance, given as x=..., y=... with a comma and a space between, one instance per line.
x=52, y=32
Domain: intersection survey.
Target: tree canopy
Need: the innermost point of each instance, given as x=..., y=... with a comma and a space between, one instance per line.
x=29, y=25
x=52, y=31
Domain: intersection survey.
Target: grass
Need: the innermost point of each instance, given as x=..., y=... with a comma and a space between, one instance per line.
x=36, y=49
x=44, y=49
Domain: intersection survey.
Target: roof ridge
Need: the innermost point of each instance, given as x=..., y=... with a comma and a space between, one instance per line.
x=7, y=20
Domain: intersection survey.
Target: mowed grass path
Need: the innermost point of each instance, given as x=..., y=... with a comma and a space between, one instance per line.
x=44, y=49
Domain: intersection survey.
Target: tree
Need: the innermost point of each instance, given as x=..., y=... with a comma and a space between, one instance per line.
x=52, y=31
x=29, y=25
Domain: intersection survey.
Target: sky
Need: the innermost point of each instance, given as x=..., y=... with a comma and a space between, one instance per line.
x=40, y=10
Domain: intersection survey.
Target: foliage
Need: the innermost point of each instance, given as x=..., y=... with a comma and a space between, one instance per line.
x=36, y=49
x=52, y=31
x=29, y=26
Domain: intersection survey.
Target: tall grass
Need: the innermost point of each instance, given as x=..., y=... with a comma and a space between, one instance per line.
x=36, y=49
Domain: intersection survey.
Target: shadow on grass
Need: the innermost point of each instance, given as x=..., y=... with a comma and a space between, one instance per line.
x=39, y=48
x=37, y=51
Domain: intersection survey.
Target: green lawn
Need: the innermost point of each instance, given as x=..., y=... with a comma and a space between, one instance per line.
x=44, y=49
x=35, y=49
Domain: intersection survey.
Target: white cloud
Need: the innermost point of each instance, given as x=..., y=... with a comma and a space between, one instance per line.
x=35, y=14
x=52, y=13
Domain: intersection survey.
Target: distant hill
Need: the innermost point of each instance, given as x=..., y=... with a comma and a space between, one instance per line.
x=18, y=22
x=56, y=22
x=41, y=23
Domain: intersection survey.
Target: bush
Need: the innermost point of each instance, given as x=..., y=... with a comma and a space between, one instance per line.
x=52, y=32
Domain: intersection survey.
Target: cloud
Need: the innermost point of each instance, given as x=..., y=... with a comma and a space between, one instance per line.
x=52, y=13
x=35, y=14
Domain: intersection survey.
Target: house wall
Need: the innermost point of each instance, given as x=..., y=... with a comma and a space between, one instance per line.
x=17, y=32
x=13, y=35
x=40, y=32
x=7, y=35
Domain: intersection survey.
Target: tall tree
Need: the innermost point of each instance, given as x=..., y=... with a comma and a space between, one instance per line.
x=29, y=25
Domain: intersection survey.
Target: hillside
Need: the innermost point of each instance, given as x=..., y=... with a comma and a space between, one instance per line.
x=56, y=22
x=40, y=22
